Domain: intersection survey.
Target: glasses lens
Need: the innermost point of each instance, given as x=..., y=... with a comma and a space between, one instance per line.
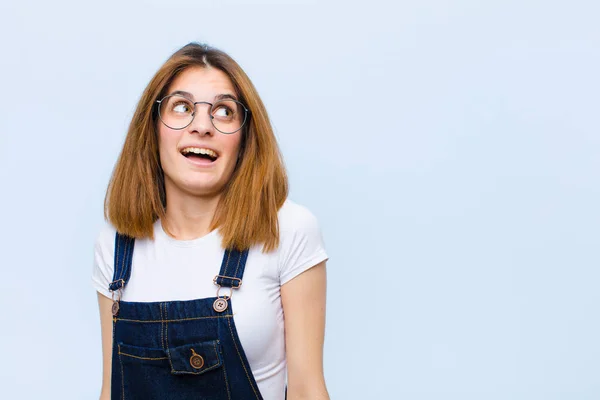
x=228, y=116
x=176, y=111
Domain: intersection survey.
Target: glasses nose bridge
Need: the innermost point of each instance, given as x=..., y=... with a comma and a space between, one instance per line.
x=208, y=111
x=202, y=102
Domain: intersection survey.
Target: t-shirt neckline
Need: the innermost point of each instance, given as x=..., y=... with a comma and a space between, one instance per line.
x=158, y=229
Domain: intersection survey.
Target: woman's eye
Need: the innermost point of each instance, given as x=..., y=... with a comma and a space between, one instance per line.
x=223, y=112
x=181, y=107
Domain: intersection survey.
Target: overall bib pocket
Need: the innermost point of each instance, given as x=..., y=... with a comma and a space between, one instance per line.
x=127, y=351
x=195, y=358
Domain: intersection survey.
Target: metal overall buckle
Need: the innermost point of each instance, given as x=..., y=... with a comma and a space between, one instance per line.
x=221, y=303
x=115, y=305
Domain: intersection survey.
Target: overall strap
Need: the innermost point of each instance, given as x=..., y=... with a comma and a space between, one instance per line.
x=232, y=268
x=123, y=256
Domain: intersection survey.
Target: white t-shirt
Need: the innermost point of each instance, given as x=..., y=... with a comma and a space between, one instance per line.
x=167, y=269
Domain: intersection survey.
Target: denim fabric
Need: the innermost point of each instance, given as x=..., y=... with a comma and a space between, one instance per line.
x=178, y=349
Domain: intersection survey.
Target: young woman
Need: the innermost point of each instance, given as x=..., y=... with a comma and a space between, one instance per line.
x=211, y=283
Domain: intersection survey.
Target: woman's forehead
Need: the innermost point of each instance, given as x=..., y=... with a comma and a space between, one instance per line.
x=202, y=83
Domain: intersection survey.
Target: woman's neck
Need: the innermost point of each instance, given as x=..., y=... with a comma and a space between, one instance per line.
x=188, y=217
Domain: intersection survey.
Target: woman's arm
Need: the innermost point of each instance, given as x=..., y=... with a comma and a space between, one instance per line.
x=106, y=325
x=303, y=300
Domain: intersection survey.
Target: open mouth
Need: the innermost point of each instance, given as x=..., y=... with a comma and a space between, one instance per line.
x=199, y=154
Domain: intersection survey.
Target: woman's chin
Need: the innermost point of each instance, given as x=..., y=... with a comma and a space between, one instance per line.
x=202, y=189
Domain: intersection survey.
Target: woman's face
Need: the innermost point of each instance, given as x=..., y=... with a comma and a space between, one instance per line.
x=184, y=169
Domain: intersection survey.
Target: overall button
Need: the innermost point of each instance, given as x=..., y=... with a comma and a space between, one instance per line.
x=196, y=360
x=220, y=305
x=115, y=308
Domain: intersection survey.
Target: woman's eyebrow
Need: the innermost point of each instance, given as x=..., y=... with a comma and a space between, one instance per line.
x=184, y=94
x=225, y=96
x=188, y=95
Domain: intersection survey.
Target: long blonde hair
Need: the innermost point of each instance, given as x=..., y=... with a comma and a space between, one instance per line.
x=247, y=212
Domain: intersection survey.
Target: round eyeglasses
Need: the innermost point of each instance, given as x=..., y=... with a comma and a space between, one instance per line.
x=227, y=115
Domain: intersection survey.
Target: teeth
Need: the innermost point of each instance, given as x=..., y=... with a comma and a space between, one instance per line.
x=199, y=150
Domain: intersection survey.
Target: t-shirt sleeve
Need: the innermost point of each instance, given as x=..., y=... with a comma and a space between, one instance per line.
x=302, y=245
x=102, y=270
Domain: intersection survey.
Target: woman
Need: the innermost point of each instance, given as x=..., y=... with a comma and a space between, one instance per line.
x=211, y=283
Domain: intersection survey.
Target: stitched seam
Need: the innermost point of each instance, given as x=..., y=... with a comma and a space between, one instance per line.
x=172, y=320
x=235, y=274
x=117, y=269
x=124, y=261
x=241, y=359
x=122, y=376
x=193, y=373
x=226, y=381
x=166, y=329
x=226, y=263
x=112, y=352
x=167, y=340
x=224, y=372
x=207, y=369
x=162, y=339
x=142, y=358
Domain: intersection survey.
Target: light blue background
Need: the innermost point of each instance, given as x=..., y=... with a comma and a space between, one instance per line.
x=450, y=150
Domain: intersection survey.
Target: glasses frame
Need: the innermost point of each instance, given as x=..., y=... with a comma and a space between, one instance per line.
x=246, y=113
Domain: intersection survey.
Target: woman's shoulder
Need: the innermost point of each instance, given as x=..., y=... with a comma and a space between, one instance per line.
x=104, y=245
x=301, y=244
x=105, y=234
x=294, y=218
x=105, y=237
x=103, y=264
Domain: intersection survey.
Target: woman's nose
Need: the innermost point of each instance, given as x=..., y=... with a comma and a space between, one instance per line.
x=202, y=122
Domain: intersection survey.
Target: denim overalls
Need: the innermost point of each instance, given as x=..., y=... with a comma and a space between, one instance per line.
x=178, y=349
